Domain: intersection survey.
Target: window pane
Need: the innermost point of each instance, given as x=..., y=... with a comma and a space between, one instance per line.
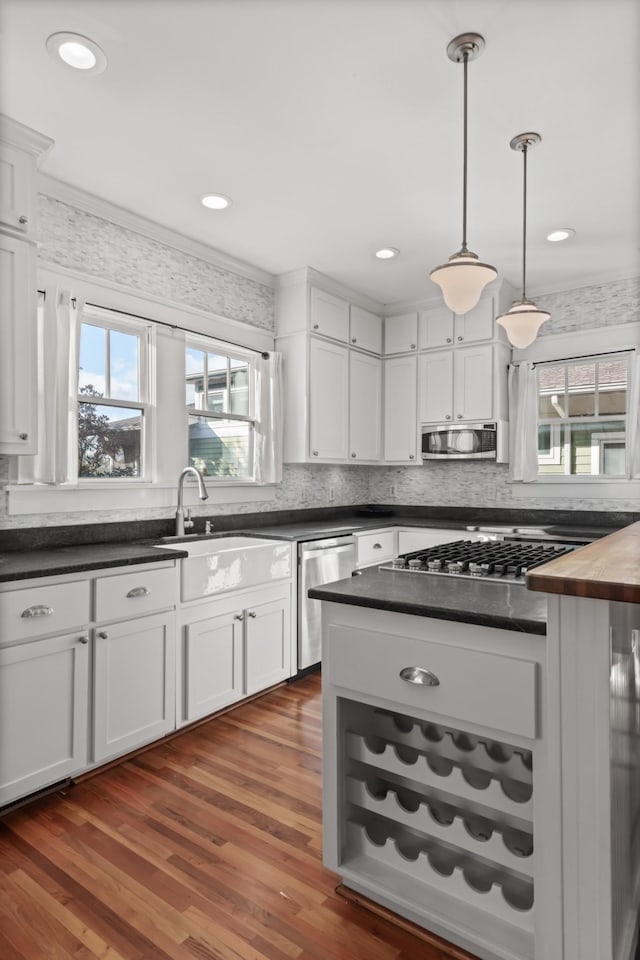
x=91, y=375
x=612, y=386
x=123, y=356
x=581, y=382
x=544, y=440
x=194, y=377
x=217, y=395
x=592, y=446
x=220, y=448
x=551, y=397
x=239, y=387
x=109, y=441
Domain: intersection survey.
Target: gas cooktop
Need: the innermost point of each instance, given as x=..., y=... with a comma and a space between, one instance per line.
x=503, y=562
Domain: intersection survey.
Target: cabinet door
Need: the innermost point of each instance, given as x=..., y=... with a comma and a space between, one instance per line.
x=400, y=410
x=329, y=315
x=16, y=203
x=213, y=664
x=473, y=383
x=365, y=407
x=366, y=330
x=18, y=380
x=328, y=400
x=401, y=333
x=267, y=644
x=475, y=325
x=43, y=713
x=436, y=386
x=134, y=684
x=436, y=327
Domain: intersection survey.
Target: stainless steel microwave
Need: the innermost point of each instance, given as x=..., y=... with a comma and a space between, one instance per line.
x=465, y=441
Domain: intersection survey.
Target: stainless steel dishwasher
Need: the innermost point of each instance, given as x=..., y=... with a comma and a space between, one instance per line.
x=319, y=561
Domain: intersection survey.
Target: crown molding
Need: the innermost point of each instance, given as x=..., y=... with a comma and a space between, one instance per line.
x=18, y=135
x=75, y=197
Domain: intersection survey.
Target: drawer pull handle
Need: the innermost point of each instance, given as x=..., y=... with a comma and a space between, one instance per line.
x=420, y=676
x=377, y=546
x=38, y=610
x=139, y=592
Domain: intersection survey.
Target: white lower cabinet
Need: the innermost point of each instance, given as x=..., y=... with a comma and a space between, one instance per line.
x=43, y=712
x=233, y=646
x=133, y=684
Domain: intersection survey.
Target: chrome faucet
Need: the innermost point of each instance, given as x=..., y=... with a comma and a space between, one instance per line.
x=181, y=523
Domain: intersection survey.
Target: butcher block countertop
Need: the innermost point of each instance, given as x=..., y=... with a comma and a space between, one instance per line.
x=608, y=569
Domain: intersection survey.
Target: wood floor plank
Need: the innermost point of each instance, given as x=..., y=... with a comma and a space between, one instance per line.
x=205, y=847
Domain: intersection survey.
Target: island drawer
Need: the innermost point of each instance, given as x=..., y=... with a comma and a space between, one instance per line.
x=376, y=547
x=34, y=611
x=132, y=594
x=473, y=686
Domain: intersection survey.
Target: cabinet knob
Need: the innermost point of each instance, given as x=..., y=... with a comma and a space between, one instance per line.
x=459, y=416
x=23, y=219
x=103, y=635
x=420, y=676
x=354, y=339
x=315, y=326
x=238, y=616
x=448, y=339
x=38, y=610
x=413, y=346
x=315, y=453
x=353, y=454
x=448, y=416
x=252, y=614
x=84, y=639
x=460, y=338
x=23, y=436
x=412, y=456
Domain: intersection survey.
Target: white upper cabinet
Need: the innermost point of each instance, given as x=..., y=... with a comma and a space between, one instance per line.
x=20, y=150
x=439, y=327
x=400, y=410
x=401, y=333
x=365, y=406
x=365, y=330
x=328, y=400
x=466, y=384
x=329, y=315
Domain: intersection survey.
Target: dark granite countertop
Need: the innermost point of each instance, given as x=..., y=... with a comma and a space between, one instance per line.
x=25, y=565
x=487, y=603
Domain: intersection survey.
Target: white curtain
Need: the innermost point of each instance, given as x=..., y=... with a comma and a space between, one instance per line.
x=56, y=459
x=269, y=419
x=633, y=420
x=523, y=422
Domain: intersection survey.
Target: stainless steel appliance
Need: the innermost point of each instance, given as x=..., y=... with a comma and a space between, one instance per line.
x=319, y=561
x=465, y=441
x=505, y=561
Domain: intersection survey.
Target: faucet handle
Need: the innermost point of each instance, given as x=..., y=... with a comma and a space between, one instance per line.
x=188, y=522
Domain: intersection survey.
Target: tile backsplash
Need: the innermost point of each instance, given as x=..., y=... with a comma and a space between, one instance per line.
x=82, y=241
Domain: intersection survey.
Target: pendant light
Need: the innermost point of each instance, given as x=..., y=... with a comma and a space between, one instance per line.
x=523, y=320
x=464, y=277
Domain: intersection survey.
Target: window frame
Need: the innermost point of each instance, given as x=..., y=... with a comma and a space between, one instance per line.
x=210, y=345
x=111, y=319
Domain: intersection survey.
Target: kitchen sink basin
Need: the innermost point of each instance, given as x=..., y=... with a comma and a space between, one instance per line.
x=219, y=564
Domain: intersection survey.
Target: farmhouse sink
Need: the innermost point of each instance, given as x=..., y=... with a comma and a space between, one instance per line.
x=220, y=564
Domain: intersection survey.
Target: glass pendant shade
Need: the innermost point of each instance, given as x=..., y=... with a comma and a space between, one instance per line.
x=462, y=280
x=522, y=322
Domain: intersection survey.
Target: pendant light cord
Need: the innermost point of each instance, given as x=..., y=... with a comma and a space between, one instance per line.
x=524, y=221
x=464, y=159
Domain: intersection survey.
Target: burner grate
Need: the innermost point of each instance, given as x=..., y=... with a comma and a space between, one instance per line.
x=470, y=558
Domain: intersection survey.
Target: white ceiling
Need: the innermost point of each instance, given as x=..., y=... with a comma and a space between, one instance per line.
x=336, y=127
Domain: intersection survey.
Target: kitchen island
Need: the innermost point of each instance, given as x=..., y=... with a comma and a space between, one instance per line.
x=481, y=772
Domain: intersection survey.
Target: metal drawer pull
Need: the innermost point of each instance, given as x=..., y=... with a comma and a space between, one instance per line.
x=38, y=610
x=252, y=614
x=419, y=675
x=377, y=546
x=139, y=592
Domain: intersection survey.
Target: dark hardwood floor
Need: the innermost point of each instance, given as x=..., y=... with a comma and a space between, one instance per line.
x=206, y=846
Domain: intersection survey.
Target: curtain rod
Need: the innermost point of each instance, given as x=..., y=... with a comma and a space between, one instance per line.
x=586, y=356
x=163, y=323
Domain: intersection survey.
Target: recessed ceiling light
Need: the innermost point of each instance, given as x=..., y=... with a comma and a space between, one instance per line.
x=77, y=51
x=387, y=253
x=215, y=201
x=564, y=233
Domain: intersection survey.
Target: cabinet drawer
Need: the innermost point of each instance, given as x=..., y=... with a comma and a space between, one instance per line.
x=35, y=611
x=484, y=688
x=135, y=593
x=376, y=546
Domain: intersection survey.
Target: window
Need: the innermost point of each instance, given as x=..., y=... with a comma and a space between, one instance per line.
x=220, y=398
x=582, y=416
x=112, y=397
